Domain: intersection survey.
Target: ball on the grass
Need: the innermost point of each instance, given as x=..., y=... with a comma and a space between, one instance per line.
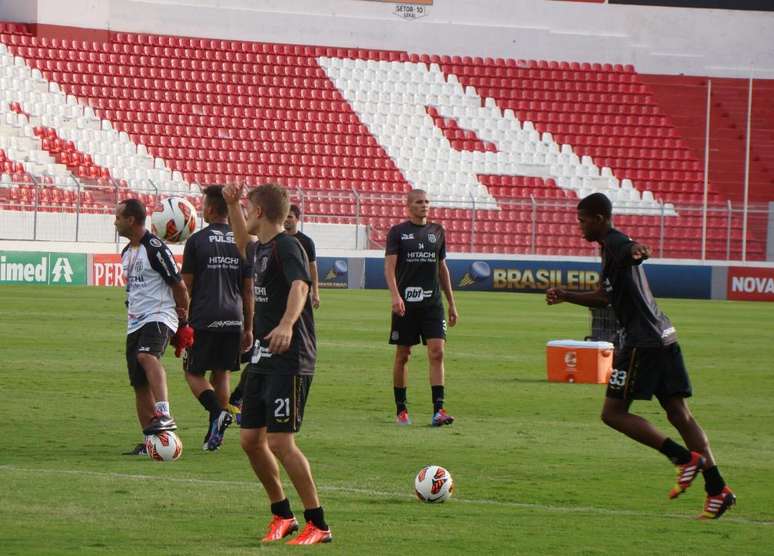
x=433, y=484
x=163, y=446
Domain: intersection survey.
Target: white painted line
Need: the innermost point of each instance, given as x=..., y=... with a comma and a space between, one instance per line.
x=371, y=493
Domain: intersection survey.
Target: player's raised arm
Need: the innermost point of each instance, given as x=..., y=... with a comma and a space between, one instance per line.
x=446, y=286
x=232, y=194
x=597, y=298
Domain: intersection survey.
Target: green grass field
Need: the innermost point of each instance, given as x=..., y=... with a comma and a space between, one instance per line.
x=536, y=471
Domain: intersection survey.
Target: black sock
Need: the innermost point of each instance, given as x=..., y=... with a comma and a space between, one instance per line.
x=236, y=395
x=713, y=482
x=210, y=403
x=282, y=509
x=676, y=453
x=315, y=515
x=400, y=399
x=437, y=398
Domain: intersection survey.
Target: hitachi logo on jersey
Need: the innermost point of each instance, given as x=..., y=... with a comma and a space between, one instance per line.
x=423, y=255
x=224, y=260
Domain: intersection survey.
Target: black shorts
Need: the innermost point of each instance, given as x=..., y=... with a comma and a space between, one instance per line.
x=418, y=324
x=639, y=373
x=152, y=338
x=274, y=401
x=213, y=351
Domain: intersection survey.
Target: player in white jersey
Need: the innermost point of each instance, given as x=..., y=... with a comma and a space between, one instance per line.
x=157, y=303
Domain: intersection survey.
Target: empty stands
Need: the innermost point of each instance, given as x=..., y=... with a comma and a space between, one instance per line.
x=505, y=147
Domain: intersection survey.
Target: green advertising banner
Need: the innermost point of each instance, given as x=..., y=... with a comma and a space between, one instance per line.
x=55, y=269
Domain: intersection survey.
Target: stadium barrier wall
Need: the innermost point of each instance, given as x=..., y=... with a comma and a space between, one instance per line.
x=744, y=282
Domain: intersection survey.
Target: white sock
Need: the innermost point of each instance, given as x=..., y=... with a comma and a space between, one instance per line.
x=161, y=408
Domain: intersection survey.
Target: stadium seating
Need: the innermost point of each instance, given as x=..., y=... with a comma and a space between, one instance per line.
x=505, y=147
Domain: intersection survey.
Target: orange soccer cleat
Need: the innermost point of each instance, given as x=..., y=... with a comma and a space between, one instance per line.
x=312, y=535
x=403, y=418
x=686, y=473
x=715, y=506
x=280, y=528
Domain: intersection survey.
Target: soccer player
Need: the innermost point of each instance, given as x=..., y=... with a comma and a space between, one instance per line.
x=291, y=228
x=650, y=361
x=220, y=282
x=280, y=372
x=415, y=270
x=157, y=303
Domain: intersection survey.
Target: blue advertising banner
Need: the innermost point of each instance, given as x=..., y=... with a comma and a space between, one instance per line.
x=537, y=276
x=334, y=272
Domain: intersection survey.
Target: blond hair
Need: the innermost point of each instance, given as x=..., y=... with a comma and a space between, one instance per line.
x=273, y=200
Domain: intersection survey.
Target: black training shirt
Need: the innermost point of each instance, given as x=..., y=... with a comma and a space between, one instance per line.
x=627, y=289
x=308, y=245
x=420, y=250
x=276, y=265
x=218, y=270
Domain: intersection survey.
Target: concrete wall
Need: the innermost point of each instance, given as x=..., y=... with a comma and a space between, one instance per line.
x=655, y=40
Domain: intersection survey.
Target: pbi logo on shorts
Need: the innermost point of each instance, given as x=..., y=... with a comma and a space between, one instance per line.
x=414, y=295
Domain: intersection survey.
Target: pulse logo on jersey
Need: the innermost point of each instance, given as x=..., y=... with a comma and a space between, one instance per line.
x=217, y=236
x=406, y=236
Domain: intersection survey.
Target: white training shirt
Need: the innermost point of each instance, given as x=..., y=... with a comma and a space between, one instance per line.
x=150, y=271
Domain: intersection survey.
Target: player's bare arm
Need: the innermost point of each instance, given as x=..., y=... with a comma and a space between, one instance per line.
x=180, y=293
x=390, y=262
x=446, y=286
x=597, y=298
x=315, y=284
x=232, y=194
x=280, y=337
x=248, y=310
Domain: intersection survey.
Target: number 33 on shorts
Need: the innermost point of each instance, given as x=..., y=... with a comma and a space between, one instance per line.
x=617, y=379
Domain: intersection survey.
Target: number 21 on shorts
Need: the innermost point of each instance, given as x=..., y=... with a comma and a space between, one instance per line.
x=282, y=407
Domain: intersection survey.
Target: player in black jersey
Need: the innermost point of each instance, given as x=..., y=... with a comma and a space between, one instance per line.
x=291, y=228
x=221, y=287
x=650, y=361
x=416, y=272
x=282, y=364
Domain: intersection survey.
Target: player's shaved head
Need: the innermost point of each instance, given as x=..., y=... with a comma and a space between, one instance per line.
x=414, y=194
x=596, y=204
x=273, y=200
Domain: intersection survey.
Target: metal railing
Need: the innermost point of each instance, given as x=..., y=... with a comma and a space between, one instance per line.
x=537, y=226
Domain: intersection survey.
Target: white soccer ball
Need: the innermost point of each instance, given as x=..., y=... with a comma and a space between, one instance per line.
x=163, y=446
x=433, y=484
x=174, y=220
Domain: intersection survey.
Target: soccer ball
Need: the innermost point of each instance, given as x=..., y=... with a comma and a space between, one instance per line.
x=433, y=484
x=175, y=220
x=163, y=446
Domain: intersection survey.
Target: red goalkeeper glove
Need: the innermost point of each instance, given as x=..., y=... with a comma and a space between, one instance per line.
x=183, y=338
